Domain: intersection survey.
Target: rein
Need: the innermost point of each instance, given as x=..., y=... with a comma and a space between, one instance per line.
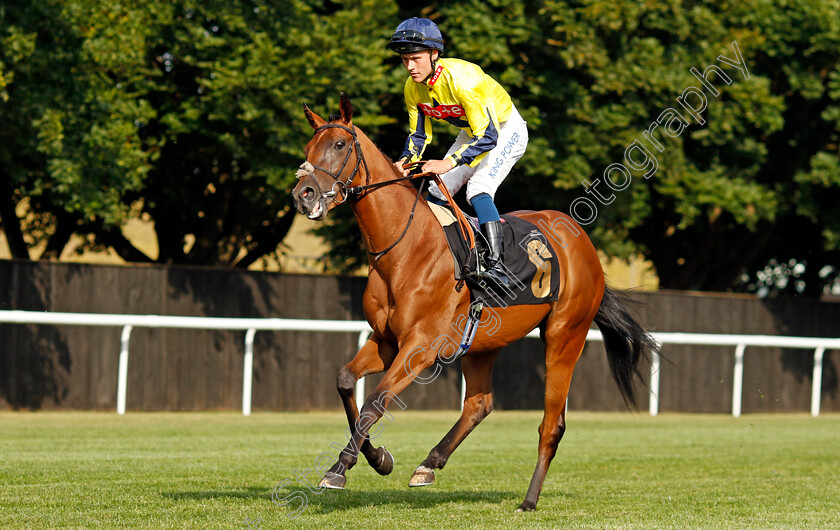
x=347, y=190
x=378, y=255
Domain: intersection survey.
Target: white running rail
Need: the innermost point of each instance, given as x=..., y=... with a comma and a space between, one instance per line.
x=252, y=325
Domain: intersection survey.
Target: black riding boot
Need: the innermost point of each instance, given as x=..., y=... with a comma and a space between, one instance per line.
x=494, y=256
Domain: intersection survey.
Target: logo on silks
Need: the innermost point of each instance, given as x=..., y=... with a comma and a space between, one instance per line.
x=540, y=256
x=438, y=71
x=442, y=111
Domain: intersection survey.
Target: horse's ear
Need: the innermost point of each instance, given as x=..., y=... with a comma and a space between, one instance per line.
x=346, y=108
x=314, y=120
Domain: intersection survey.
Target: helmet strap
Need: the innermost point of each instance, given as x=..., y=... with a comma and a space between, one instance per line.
x=433, y=62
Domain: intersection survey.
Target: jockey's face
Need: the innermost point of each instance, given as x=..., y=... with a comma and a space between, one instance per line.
x=419, y=64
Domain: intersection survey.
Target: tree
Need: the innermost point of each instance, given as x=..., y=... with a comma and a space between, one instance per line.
x=749, y=180
x=190, y=116
x=184, y=114
x=69, y=150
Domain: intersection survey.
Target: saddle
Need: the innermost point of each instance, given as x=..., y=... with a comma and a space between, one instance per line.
x=530, y=263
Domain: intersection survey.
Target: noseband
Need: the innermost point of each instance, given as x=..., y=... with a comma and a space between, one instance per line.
x=344, y=186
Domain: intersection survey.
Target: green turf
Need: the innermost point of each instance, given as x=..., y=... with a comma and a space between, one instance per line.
x=215, y=470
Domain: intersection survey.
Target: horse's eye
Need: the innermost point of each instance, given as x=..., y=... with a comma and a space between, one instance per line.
x=339, y=144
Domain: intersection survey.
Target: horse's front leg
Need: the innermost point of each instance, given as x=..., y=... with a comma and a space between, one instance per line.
x=410, y=362
x=374, y=357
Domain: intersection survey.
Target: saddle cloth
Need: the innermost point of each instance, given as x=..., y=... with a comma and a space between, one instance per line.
x=530, y=262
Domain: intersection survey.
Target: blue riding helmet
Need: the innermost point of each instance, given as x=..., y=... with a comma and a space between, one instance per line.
x=415, y=34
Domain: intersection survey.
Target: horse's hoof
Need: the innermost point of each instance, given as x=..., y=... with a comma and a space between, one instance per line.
x=333, y=481
x=423, y=476
x=525, y=507
x=386, y=463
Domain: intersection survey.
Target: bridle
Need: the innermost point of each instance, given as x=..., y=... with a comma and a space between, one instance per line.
x=344, y=186
x=358, y=191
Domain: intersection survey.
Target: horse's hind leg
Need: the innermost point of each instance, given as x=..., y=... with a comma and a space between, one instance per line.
x=478, y=402
x=374, y=357
x=563, y=347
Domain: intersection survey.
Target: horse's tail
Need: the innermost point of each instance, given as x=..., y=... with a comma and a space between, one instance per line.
x=626, y=342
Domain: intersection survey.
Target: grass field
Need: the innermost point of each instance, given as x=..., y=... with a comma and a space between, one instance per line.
x=218, y=470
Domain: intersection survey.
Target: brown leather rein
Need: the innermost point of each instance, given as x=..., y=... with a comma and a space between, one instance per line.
x=358, y=191
x=463, y=224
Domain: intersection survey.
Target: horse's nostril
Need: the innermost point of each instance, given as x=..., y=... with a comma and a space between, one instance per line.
x=307, y=194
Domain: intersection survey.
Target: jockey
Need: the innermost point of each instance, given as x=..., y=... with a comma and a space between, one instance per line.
x=493, y=135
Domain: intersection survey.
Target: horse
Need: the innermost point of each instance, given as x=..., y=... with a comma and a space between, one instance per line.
x=412, y=298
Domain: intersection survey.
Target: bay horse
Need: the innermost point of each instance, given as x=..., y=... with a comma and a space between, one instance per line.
x=411, y=300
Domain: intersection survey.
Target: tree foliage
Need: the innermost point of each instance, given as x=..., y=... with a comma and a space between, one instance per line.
x=189, y=113
x=729, y=195
x=186, y=113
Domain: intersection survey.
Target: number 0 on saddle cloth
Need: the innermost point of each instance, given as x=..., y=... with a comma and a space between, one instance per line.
x=530, y=262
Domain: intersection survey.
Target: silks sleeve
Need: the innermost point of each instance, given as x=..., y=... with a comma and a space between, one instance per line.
x=420, y=127
x=481, y=115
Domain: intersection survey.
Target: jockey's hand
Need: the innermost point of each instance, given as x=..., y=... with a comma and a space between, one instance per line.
x=438, y=167
x=399, y=165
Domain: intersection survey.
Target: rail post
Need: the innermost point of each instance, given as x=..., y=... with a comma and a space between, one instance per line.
x=738, y=380
x=653, y=406
x=122, y=373
x=463, y=390
x=816, y=384
x=360, y=384
x=248, y=371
